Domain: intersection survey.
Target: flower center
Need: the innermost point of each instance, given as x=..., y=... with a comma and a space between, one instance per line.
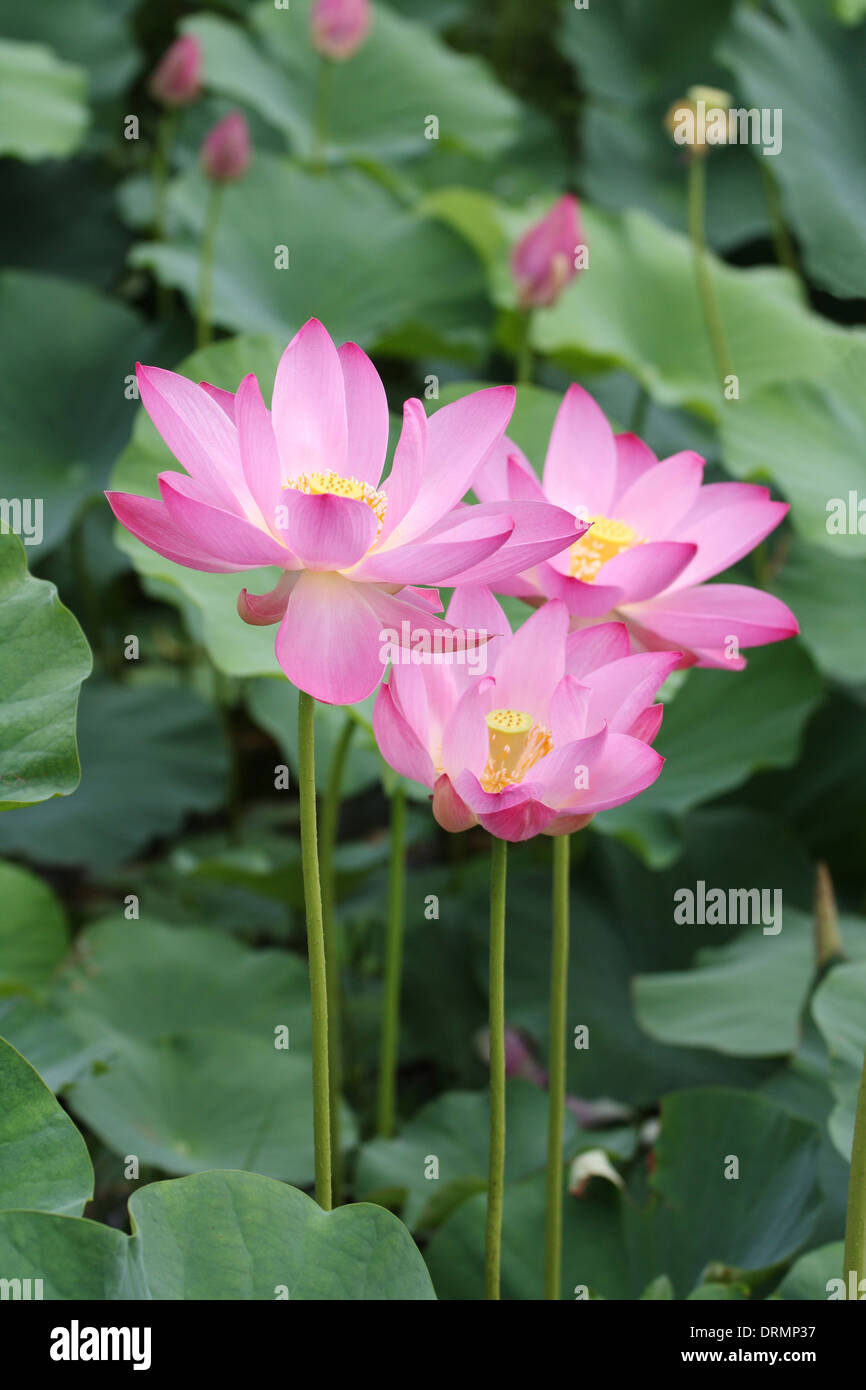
x=336, y=486
x=514, y=745
x=606, y=539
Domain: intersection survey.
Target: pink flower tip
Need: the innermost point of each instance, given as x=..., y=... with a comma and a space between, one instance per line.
x=176, y=79
x=226, y=150
x=545, y=259
x=339, y=27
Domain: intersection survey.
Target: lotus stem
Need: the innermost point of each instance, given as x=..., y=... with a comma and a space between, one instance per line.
x=496, y=1169
x=855, y=1221
x=556, y=1079
x=315, y=948
x=330, y=820
x=706, y=289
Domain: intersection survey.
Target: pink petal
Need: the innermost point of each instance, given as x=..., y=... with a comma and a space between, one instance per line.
x=473, y=606
x=569, y=706
x=582, y=599
x=618, y=769
x=147, y=519
x=402, y=484
x=225, y=535
x=647, y=724
x=590, y=647
x=366, y=415
x=258, y=449
x=539, y=530
x=662, y=496
x=580, y=468
x=260, y=610
x=449, y=810
x=329, y=641
x=645, y=570
x=724, y=536
x=622, y=690
x=327, y=532
x=224, y=399
x=633, y=458
x=711, y=614
x=506, y=466
x=459, y=438
x=513, y=814
x=309, y=405
x=455, y=546
x=197, y=431
x=398, y=742
x=532, y=664
x=465, y=736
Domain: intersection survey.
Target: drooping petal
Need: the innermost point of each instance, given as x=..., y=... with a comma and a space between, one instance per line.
x=261, y=610
x=327, y=532
x=711, y=615
x=148, y=519
x=662, y=496
x=450, y=811
x=400, y=745
x=580, y=468
x=366, y=415
x=197, y=431
x=329, y=642
x=220, y=533
x=309, y=405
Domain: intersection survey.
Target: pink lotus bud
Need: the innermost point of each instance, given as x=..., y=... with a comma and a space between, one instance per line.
x=339, y=27
x=226, y=150
x=176, y=79
x=543, y=261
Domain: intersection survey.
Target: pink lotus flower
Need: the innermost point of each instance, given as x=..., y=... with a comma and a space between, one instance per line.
x=558, y=731
x=339, y=27
x=543, y=261
x=226, y=151
x=299, y=487
x=176, y=79
x=657, y=533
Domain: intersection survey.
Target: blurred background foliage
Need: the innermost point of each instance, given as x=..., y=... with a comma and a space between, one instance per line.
x=156, y=1031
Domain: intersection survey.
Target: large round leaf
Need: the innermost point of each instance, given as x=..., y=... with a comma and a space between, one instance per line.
x=44, y=1163
x=149, y=757
x=220, y=1236
x=33, y=932
x=45, y=659
x=357, y=259
x=379, y=104
x=44, y=111
x=839, y=1009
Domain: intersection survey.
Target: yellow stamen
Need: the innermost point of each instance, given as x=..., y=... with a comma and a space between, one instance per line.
x=515, y=744
x=605, y=539
x=337, y=486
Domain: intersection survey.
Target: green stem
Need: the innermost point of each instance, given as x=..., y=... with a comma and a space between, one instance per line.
x=496, y=1170
x=785, y=253
x=523, y=357
x=712, y=314
x=330, y=819
x=203, y=327
x=855, y=1223
x=389, y=1045
x=315, y=948
x=556, y=1082
x=321, y=110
